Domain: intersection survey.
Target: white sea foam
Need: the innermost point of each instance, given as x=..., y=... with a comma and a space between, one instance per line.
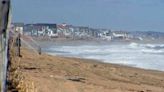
x=149, y=56
x=133, y=45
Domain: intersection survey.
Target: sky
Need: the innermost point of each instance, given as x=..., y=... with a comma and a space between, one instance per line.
x=129, y=15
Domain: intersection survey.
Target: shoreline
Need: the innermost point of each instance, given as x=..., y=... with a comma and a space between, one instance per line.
x=64, y=74
x=104, y=62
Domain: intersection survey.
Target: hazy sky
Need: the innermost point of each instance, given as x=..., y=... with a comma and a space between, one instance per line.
x=135, y=15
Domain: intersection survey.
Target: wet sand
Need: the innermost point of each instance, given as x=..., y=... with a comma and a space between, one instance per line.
x=61, y=74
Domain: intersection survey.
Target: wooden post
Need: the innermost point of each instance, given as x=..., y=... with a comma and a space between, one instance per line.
x=19, y=44
x=40, y=50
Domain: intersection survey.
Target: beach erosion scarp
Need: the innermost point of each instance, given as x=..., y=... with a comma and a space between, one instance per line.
x=46, y=73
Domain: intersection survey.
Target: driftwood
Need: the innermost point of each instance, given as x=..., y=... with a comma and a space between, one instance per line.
x=76, y=79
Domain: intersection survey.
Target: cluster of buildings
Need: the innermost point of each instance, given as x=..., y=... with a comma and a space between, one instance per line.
x=68, y=31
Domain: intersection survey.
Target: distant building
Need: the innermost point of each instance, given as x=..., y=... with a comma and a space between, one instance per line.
x=28, y=29
x=18, y=27
x=46, y=29
x=41, y=29
x=105, y=34
x=83, y=31
x=65, y=30
x=93, y=32
x=119, y=35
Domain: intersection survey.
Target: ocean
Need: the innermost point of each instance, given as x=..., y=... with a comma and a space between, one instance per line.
x=140, y=55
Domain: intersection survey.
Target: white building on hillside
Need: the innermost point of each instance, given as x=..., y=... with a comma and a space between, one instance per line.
x=19, y=27
x=119, y=35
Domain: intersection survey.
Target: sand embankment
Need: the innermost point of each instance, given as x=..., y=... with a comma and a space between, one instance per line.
x=60, y=74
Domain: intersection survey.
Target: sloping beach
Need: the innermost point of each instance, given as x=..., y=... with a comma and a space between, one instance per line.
x=60, y=74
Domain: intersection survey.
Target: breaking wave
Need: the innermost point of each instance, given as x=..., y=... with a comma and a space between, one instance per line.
x=149, y=56
x=156, y=47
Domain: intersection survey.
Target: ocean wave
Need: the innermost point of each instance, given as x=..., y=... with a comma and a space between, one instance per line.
x=133, y=45
x=152, y=51
x=133, y=54
x=156, y=47
x=148, y=48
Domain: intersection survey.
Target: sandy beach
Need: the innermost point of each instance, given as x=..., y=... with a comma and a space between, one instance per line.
x=60, y=74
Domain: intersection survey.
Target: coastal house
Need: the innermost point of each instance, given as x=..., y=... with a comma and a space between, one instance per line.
x=105, y=34
x=93, y=32
x=18, y=27
x=119, y=35
x=65, y=30
x=45, y=29
x=28, y=29
x=83, y=31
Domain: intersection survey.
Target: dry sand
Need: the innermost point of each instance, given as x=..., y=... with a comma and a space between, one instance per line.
x=61, y=74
